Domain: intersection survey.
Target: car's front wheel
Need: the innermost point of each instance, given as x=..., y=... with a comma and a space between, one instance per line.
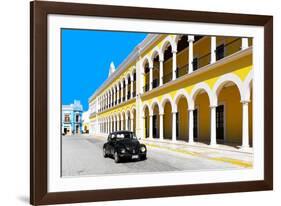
x=143, y=157
x=104, y=152
x=116, y=157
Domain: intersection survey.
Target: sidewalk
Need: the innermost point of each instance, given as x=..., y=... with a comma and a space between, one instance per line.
x=222, y=153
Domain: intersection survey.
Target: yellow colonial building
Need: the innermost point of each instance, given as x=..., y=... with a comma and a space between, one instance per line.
x=180, y=88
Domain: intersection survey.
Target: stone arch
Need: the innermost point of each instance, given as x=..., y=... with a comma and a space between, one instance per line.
x=152, y=105
x=145, y=61
x=168, y=41
x=199, y=87
x=247, y=86
x=225, y=79
x=179, y=94
x=132, y=109
x=144, y=106
x=164, y=101
x=156, y=52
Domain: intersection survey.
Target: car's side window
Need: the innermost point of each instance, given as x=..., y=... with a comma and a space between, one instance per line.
x=109, y=138
x=113, y=137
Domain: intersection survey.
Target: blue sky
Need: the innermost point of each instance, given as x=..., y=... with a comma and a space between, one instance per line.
x=86, y=56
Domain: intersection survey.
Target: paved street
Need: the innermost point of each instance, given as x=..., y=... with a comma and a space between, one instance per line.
x=82, y=155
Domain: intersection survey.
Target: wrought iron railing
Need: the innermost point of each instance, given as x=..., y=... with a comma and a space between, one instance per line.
x=155, y=83
x=232, y=47
x=167, y=77
x=181, y=71
x=201, y=61
x=146, y=87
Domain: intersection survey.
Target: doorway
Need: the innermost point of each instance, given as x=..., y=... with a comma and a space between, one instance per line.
x=220, y=122
x=195, y=123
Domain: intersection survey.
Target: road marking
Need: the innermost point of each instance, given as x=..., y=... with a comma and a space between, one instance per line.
x=240, y=163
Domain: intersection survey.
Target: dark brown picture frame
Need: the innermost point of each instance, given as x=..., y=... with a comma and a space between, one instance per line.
x=38, y=102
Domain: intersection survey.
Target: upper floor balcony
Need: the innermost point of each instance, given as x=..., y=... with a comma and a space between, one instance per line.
x=185, y=54
x=122, y=92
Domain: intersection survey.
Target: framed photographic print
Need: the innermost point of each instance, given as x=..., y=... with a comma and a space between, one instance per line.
x=131, y=102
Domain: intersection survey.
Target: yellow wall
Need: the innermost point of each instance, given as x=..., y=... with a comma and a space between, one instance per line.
x=167, y=67
x=183, y=119
x=203, y=106
x=201, y=48
x=167, y=121
x=230, y=98
x=147, y=123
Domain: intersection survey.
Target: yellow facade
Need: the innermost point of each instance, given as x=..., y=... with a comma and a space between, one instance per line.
x=217, y=77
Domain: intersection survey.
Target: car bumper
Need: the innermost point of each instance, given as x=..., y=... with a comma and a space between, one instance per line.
x=132, y=156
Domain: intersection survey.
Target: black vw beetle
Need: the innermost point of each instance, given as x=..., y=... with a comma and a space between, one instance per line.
x=124, y=145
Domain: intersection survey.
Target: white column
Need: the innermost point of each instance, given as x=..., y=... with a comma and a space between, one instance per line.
x=213, y=49
x=107, y=127
x=245, y=43
x=118, y=94
x=117, y=125
x=121, y=92
x=126, y=90
x=150, y=77
x=142, y=83
x=126, y=122
x=190, y=130
x=132, y=124
x=111, y=95
x=161, y=61
x=102, y=126
x=161, y=136
x=245, y=121
x=213, y=126
x=174, y=64
x=190, y=53
x=143, y=127
x=122, y=123
x=150, y=126
x=101, y=103
x=174, y=127
x=114, y=96
x=105, y=100
x=132, y=86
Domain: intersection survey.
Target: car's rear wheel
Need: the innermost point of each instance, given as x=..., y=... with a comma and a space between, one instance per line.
x=116, y=157
x=104, y=152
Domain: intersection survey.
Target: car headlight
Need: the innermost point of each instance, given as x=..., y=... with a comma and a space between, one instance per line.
x=122, y=150
x=142, y=149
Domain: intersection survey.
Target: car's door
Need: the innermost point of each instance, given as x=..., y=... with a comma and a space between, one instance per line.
x=107, y=144
x=111, y=143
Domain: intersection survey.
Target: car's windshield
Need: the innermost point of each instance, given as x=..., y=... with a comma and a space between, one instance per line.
x=125, y=135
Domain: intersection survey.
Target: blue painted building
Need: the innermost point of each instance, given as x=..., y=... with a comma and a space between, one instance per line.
x=72, y=118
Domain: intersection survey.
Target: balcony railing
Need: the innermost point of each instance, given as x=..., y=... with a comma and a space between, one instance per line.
x=181, y=71
x=167, y=78
x=123, y=99
x=155, y=83
x=134, y=93
x=146, y=88
x=129, y=95
x=232, y=47
x=201, y=61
